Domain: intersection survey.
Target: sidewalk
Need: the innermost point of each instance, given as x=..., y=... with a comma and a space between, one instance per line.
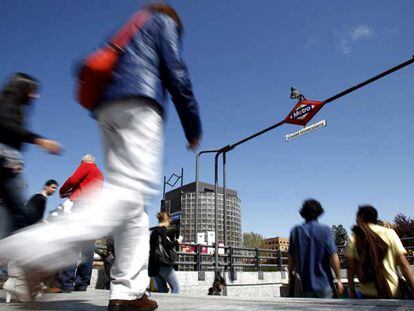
x=97, y=300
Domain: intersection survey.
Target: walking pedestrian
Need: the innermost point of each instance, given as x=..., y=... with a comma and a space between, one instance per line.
x=163, y=255
x=80, y=188
x=18, y=93
x=131, y=122
x=312, y=253
x=373, y=254
x=34, y=209
x=36, y=205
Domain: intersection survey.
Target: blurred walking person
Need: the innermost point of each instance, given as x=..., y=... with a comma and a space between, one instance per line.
x=131, y=118
x=17, y=94
x=80, y=188
x=163, y=255
x=34, y=209
x=312, y=253
x=373, y=254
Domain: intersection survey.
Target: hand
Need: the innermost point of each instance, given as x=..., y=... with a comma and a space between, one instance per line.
x=194, y=145
x=49, y=145
x=180, y=239
x=340, y=287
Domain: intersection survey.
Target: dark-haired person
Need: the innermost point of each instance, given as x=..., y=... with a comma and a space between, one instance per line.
x=313, y=247
x=18, y=93
x=373, y=254
x=36, y=206
x=131, y=119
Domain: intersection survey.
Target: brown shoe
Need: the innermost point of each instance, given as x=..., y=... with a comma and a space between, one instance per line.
x=141, y=304
x=53, y=290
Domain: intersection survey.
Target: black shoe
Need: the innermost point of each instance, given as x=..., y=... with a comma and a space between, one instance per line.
x=141, y=304
x=80, y=289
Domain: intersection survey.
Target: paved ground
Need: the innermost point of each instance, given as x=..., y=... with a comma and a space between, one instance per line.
x=96, y=300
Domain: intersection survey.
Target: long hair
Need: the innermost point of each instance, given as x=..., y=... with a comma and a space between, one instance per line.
x=371, y=251
x=167, y=9
x=18, y=88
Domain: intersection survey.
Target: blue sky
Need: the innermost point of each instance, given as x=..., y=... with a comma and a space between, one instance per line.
x=243, y=57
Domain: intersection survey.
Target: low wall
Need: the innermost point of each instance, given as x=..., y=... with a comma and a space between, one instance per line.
x=247, y=284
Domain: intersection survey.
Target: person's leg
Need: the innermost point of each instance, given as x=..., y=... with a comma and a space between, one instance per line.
x=11, y=196
x=67, y=278
x=129, y=275
x=132, y=136
x=169, y=275
x=160, y=284
x=84, y=271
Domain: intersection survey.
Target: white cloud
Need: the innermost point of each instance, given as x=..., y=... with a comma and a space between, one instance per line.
x=348, y=37
x=361, y=32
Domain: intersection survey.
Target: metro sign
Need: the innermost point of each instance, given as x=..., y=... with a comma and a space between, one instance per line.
x=303, y=112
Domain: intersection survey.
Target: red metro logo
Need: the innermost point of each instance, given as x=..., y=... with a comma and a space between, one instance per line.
x=304, y=111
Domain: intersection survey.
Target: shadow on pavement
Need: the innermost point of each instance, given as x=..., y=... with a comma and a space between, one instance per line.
x=66, y=305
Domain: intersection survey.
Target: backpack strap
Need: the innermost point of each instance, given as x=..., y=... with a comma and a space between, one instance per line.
x=128, y=31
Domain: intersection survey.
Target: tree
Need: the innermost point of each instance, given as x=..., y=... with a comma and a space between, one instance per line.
x=253, y=240
x=340, y=235
x=404, y=226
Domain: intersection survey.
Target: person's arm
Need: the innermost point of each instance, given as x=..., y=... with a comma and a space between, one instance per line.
x=334, y=260
x=10, y=128
x=178, y=81
x=73, y=181
x=406, y=271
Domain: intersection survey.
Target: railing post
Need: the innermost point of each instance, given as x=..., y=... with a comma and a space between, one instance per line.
x=198, y=257
x=282, y=271
x=233, y=275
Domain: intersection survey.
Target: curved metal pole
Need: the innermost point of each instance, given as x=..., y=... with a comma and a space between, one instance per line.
x=197, y=190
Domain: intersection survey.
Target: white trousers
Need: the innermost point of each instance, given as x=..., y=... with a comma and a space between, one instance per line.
x=132, y=137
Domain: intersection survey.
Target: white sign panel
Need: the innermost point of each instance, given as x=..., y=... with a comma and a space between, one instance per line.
x=211, y=237
x=306, y=130
x=201, y=238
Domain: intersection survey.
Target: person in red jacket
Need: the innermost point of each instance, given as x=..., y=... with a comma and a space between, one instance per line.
x=84, y=182
x=81, y=188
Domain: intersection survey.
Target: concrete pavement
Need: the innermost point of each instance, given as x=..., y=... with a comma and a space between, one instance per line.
x=97, y=300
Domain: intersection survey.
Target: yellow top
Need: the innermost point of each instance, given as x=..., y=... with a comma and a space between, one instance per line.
x=395, y=248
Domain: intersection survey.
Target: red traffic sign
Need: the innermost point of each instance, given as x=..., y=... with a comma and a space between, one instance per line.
x=303, y=112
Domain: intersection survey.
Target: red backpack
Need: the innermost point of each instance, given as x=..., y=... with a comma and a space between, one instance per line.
x=96, y=70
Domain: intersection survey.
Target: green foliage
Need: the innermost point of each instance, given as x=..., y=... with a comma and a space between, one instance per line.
x=340, y=235
x=253, y=240
x=404, y=226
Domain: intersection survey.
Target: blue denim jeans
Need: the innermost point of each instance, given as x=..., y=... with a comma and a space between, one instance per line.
x=166, y=276
x=12, y=202
x=79, y=276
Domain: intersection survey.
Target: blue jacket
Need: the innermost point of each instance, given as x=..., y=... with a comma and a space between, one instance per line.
x=152, y=64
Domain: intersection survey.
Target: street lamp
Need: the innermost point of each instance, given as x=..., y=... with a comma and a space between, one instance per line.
x=299, y=116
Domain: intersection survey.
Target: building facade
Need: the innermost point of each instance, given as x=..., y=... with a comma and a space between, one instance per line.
x=181, y=204
x=277, y=243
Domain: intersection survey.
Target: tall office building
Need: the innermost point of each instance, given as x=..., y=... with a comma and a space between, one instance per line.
x=180, y=203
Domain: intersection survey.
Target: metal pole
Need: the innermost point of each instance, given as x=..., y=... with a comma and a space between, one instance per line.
x=197, y=188
x=375, y=78
x=224, y=200
x=196, y=201
x=163, y=191
x=216, y=263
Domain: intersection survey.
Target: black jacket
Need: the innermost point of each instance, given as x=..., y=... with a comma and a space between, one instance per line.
x=159, y=235
x=12, y=126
